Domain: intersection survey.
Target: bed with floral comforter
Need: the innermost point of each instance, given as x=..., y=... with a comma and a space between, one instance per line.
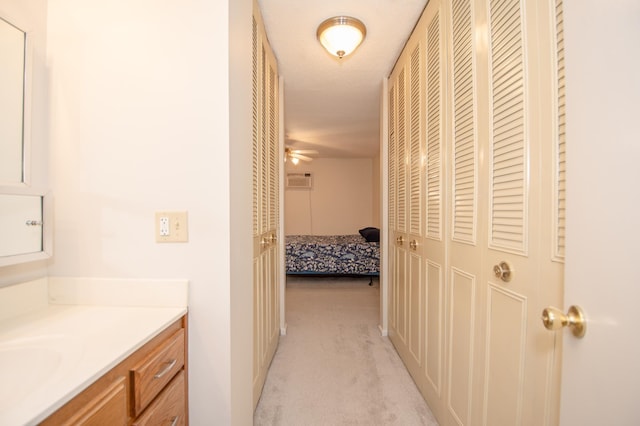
x=331, y=255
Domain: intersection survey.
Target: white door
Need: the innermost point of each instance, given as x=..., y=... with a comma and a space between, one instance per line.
x=601, y=372
x=493, y=174
x=266, y=257
x=506, y=213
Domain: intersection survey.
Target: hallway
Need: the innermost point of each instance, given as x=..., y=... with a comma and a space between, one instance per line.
x=333, y=367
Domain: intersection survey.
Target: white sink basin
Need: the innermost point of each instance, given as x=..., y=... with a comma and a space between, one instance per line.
x=32, y=363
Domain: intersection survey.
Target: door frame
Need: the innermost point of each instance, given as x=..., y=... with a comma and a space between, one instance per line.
x=282, y=274
x=384, y=206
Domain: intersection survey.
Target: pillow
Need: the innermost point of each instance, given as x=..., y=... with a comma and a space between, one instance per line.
x=372, y=235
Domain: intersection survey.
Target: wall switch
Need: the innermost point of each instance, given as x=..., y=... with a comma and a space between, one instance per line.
x=172, y=227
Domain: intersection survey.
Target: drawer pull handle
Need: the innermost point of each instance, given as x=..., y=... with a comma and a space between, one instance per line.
x=174, y=422
x=169, y=366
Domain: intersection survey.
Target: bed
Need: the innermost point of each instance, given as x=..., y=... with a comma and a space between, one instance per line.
x=349, y=255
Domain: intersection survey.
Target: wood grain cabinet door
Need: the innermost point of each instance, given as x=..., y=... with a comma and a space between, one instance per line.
x=109, y=407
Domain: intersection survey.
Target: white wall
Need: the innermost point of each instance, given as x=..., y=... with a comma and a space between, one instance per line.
x=31, y=17
x=140, y=104
x=340, y=202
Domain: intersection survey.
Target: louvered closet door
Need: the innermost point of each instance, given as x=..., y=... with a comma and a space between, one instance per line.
x=435, y=201
x=407, y=286
x=265, y=205
x=467, y=217
x=492, y=190
x=417, y=317
x=398, y=214
x=502, y=362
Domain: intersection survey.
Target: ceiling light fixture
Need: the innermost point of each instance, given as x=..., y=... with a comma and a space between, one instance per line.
x=341, y=35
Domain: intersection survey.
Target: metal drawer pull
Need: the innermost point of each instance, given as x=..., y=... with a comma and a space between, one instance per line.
x=174, y=422
x=34, y=223
x=166, y=369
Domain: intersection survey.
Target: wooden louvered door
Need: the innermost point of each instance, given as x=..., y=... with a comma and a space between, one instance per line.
x=488, y=188
x=507, y=191
x=266, y=311
x=435, y=202
x=467, y=221
x=398, y=208
x=405, y=150
x=416, y=103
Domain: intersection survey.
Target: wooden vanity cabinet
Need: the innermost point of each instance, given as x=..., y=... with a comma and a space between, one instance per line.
x=148, y=388
x=168, y=408
x=109, y=407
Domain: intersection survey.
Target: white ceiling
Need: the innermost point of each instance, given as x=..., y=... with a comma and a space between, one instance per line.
x=330, y=104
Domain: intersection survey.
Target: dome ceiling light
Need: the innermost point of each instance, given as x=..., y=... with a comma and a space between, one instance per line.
x=341, y=35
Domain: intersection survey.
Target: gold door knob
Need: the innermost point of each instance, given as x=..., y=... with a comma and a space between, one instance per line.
x=502, y=271
x=413, y=244
x=273, y=238
x=400, y=240
x=555, y=319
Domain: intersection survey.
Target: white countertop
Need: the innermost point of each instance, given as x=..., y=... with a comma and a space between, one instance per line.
x=56, y=351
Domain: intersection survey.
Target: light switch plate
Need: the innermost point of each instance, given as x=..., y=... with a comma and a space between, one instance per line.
x=172, y=227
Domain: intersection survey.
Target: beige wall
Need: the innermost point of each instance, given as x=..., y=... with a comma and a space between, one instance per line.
x=341, y=201
x=149, y=113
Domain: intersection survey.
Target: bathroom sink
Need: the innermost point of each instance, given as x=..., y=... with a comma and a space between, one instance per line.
x=28, y=364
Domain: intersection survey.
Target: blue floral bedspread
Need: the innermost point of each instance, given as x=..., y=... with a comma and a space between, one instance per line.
x=331, y=254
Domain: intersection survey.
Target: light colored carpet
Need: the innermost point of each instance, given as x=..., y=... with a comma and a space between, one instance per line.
x=333, y=367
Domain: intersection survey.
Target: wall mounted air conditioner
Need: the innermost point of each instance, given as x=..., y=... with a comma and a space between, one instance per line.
x=299, y=181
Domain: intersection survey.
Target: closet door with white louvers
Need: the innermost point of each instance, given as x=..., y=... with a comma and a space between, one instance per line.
x=405, y=150
x=266, y=298
x=504, y=269
x=492, y=185
x=416, y=216
x=398, y=210
x=435, y=202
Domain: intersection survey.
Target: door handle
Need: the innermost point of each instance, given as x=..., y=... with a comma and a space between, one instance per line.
x=413, y=244
x=555, y=319
x=503, y=271
x=400, y=240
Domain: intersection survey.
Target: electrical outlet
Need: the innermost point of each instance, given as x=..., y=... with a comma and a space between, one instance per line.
x=164, y=226
x=172, y=227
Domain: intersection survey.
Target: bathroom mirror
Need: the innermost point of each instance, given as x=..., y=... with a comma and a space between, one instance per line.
x=13, y=104
x=24, y=228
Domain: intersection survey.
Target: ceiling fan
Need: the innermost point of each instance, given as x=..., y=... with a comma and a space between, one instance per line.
x=295, y=155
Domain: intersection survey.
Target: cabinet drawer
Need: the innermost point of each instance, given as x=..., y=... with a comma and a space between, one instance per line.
x=151, y=375
x=107, y=408
x=169, y=408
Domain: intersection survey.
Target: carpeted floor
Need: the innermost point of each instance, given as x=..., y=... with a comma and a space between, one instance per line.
x=333, y=367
